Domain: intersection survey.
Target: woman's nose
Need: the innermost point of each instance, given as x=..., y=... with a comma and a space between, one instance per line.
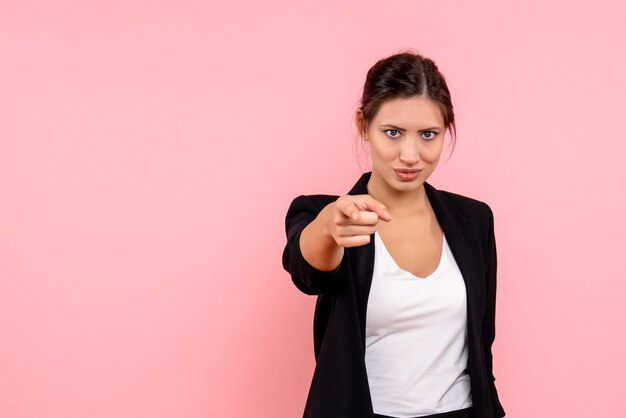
x=409, y=153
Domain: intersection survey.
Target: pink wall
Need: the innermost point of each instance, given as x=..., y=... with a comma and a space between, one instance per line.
x=149, y=152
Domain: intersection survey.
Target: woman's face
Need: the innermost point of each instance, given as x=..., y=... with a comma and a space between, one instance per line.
x=407, y=134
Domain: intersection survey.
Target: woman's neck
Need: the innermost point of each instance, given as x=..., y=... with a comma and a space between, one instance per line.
x=398, y=202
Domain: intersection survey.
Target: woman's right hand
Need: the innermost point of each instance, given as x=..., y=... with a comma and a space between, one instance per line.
x=351, y=219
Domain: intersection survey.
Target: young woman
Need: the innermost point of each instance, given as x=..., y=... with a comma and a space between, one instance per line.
x=404, y=273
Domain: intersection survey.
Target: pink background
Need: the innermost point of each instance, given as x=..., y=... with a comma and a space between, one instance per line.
x=149, y=152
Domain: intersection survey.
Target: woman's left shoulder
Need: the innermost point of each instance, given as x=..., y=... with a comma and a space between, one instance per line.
x=466, y=204
x=476, y=213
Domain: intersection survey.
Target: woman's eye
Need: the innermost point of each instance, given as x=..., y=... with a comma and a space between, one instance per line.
x=392, y=133
x=432, y=134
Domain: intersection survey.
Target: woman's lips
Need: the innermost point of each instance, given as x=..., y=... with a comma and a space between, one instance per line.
x=407, y=175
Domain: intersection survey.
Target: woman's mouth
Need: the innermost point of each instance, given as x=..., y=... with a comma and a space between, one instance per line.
x=407, y=175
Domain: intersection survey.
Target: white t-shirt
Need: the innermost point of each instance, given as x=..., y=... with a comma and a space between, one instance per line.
x=416, y=338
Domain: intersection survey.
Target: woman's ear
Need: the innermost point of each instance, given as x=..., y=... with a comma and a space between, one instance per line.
x=360, y=124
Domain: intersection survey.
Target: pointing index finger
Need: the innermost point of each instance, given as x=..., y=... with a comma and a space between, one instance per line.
x=351, y=211
x=378, y=207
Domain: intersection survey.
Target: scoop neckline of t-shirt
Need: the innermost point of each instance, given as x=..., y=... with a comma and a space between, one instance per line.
x=441, y=255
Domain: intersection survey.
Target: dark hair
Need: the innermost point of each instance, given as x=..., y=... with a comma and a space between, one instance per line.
x=406, y=74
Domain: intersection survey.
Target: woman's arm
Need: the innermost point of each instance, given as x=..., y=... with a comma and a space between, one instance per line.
x=311, y=280
x=318, y=247
x=319, y=228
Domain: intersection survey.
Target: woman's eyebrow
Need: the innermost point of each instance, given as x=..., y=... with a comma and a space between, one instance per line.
x=402, y=129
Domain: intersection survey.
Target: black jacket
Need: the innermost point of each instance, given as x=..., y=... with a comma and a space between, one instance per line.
x=339, y=388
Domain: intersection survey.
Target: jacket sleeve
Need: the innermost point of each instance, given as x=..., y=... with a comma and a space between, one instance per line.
x=490, y=314
x=303, y=210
